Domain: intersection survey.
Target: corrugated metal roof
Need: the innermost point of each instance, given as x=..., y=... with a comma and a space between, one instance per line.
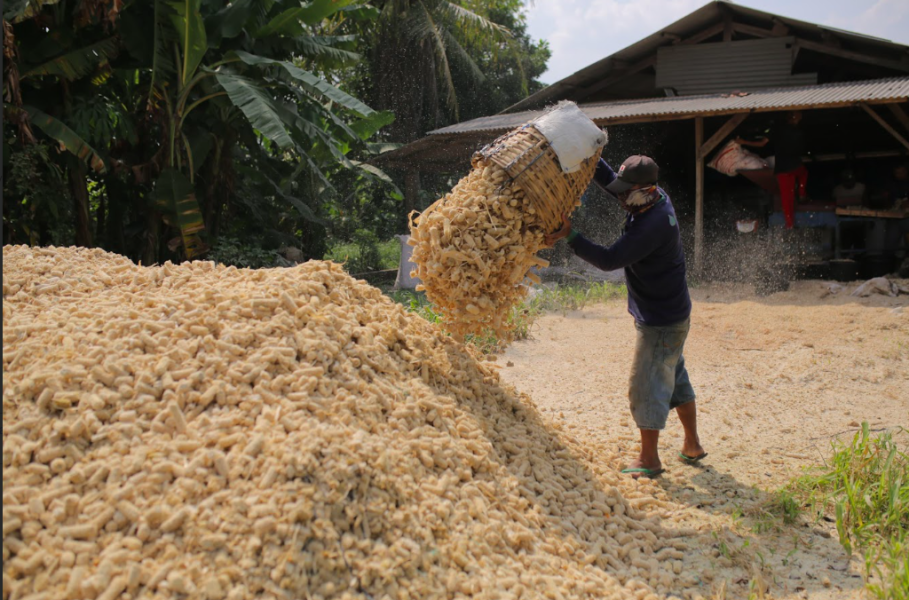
x=709, y=14
x=742, y=66
x=828, y=95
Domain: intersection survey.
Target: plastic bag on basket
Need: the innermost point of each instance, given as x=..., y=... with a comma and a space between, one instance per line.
x=571, y=133
x=732, y=158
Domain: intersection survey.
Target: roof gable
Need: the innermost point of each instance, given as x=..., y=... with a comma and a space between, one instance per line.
x=839, y=55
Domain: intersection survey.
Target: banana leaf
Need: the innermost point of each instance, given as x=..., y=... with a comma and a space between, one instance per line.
x=175, y=197
x=76, y=63
x=310, y=82
x=187, y=20
x=257, y=105
x=67, y=138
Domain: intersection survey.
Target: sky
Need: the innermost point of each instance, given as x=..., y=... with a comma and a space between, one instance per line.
x=581, y=32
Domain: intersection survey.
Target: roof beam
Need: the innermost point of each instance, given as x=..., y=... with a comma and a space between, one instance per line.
x=852, y=55
x=900, y=115
x=752, y=30
x=885, y=125
x=721, y=134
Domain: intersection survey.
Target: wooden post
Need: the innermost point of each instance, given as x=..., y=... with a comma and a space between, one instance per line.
x=698, y=195
x=411, y=191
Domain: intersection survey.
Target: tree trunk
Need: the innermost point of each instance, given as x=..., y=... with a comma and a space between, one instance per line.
x=411, y=191
x=79, y=189
x=100, y=218
x=118, y=201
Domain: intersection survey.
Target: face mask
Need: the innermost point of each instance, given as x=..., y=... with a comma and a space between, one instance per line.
x=635, y=200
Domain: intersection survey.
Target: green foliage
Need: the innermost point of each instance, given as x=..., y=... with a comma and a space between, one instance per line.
x=865, y=488
x=365, y=253
x=232, y=251
x=564, y=298
x=37, y=208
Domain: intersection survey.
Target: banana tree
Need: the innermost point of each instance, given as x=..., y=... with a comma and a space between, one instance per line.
x=291, y=111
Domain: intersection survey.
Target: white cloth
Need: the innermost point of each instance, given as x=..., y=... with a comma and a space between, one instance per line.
x=571, y=133
x=404, y=281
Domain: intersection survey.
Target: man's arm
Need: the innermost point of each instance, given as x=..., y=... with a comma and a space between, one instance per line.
x=633, y=246
x=604, y=175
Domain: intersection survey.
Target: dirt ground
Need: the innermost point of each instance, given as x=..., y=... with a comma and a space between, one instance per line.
x=778, y=379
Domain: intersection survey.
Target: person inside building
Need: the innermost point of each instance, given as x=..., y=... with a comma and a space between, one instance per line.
x=650, y=251
x=849, y=192
x=788, y=150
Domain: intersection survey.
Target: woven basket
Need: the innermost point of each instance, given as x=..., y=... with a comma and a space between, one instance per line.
x=529, y=160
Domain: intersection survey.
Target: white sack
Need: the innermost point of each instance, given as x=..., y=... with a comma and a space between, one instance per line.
x=571, y=133
x=404, y=281
x=732, y=158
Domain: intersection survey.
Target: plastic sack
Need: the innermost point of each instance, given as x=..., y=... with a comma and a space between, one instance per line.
x=404, y=281
x=732, y=158
x=573, y=136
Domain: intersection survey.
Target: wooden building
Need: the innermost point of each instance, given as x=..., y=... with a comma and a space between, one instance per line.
x=722, y=70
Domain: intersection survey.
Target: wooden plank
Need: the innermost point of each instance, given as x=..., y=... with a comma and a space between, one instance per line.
x=900, y=115
x=885, y=125
x=721, y=134
x=874, y=214
x=852, y=55
x=698, y=195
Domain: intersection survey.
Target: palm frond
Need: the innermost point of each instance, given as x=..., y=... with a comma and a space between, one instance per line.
x=163, y=41
x=481, y=23
x=442, y=61
x=76, y=63
x=321, y=48
x=457, y=50
x=175, y=196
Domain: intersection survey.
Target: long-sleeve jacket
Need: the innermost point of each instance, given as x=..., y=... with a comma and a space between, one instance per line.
x=650, y=251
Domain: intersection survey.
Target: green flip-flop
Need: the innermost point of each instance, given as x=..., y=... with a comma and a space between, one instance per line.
x=644, y=471
x=692, y=459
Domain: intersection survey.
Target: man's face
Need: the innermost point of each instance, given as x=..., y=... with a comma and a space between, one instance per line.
x=795, y=117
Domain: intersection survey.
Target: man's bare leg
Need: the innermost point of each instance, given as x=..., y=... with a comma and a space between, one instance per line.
x=688, y=415
x=650, y=454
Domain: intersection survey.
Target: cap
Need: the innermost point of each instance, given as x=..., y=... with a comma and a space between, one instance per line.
x=635, y=170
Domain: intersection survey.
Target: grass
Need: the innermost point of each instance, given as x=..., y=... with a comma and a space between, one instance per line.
x=555, y=299
x=865, y=490
x=362, y=257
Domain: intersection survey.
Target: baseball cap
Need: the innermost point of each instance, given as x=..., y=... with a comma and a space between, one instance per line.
x=635, y=170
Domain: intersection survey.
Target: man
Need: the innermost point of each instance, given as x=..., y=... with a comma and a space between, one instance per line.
x=849, y=192
x=791, y=174
x=650, y=251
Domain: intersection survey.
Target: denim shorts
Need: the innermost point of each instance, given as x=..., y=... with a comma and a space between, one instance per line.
x=659, y=381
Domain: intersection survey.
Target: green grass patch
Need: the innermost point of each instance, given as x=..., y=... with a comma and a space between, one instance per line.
x=366, y=254
x=575, y=296
x=865, y=489
x=554, y=299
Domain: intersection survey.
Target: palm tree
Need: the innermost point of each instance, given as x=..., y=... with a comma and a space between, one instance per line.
x=415, y=47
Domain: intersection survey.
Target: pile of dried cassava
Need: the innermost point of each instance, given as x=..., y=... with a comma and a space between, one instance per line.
x=474, y=248
x=198, y=431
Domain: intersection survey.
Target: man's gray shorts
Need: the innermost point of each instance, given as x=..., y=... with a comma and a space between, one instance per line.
x=659, y=381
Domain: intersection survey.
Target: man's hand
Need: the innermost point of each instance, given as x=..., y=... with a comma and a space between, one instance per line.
x=552, y=238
